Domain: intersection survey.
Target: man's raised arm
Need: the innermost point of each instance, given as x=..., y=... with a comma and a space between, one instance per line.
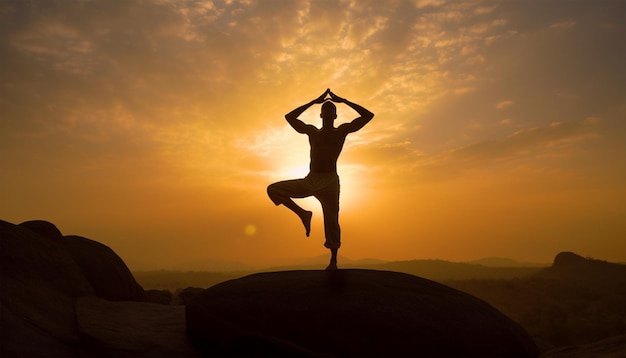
x=292, y=117
x=358, y=123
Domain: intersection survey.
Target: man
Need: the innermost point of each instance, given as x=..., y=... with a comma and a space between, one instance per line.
x=322, y=180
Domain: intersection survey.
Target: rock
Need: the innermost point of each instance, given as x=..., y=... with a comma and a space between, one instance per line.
x=21, y=337
x=133, y=329
x=43, y=228
x=105, y=270
x=42, y=274
x=188, y=294
x=163, y=297
x=612, y=347
x=568, y=260
x=40, y=281
x=349, y=313
x=577, y=270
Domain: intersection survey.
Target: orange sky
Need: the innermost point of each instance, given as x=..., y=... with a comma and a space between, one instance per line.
x=155, y=126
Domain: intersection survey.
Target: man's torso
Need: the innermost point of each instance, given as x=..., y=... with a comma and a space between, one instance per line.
x=326, y=145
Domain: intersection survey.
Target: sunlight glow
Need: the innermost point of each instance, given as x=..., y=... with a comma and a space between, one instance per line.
x=250, y=230
x=173, y=125
x=293, y=172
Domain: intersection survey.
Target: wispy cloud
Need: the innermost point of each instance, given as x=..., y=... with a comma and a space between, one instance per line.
x=531, y=146
x=504, y=104
x=565, y=24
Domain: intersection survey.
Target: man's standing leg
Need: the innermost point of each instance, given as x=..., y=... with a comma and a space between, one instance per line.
x=282, y=192
x=330, y=206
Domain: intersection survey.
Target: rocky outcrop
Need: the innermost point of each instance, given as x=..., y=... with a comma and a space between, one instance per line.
x=133, y=329
x=39, y=284
x=349, y=313
x=163, y=297
x=568, y=260
x=186, y=295
x=596, y=274
x=42, y=274
x=612, y=347
x=106, y=271
x=43, y=229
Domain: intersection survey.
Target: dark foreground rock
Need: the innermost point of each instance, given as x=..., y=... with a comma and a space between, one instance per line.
x=614, y=347
x=106, y=271
x=163, y=297
x=133, y=329
x=349, y=313
x=188, y=294
x=42, y=273
x=39, y=284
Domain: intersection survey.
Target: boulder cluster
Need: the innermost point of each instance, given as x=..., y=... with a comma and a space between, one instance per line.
x=70, y=296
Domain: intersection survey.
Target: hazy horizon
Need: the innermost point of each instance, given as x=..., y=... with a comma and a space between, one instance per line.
x=155, y=127
x=321, y=260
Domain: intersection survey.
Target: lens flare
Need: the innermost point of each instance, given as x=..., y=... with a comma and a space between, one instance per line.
x=250, y=230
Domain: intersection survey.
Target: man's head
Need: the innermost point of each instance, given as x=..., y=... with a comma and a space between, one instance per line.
x=329, y=111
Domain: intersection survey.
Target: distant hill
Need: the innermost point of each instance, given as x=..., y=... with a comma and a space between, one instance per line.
x=218, y=265
x=575, y=269
x=319, y=262
x=211, y=265
x=436, y=270
x=440, y=270
x=575, y=301
x=505, y=262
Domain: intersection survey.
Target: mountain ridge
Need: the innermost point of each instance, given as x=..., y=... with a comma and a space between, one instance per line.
x=222, y=265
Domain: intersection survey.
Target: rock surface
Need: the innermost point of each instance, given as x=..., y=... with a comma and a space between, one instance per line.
x=188, y=294
x=614, y=347
x=349, y=313
x=42, y=274
x=133, y=329
x=163, y=297
x=106, y=271
x=39, y=284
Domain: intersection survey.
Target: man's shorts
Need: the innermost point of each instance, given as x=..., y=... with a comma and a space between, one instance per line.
x=321, y=185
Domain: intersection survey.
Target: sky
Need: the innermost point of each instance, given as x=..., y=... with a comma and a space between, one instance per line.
x=155, y=127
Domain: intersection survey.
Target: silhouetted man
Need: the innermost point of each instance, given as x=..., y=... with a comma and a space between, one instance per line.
x=322, y=182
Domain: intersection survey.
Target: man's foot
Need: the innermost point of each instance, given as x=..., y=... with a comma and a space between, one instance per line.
x=332, y=266
x=306, y=220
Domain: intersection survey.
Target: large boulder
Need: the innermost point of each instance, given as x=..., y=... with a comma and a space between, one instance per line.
x=39, y=284
x=133, y=329
x=43, y=229
x=612, y=347
x=349, y=313
x=105, y=270
x=163, y=297
x=42, y=273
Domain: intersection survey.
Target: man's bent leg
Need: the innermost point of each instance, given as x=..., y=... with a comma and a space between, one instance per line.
x=282, y=192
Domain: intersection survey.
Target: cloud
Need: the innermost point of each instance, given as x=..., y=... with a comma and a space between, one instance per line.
x=484, y=10
x=566, y=24
x=504, y=104
x=531, y=146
